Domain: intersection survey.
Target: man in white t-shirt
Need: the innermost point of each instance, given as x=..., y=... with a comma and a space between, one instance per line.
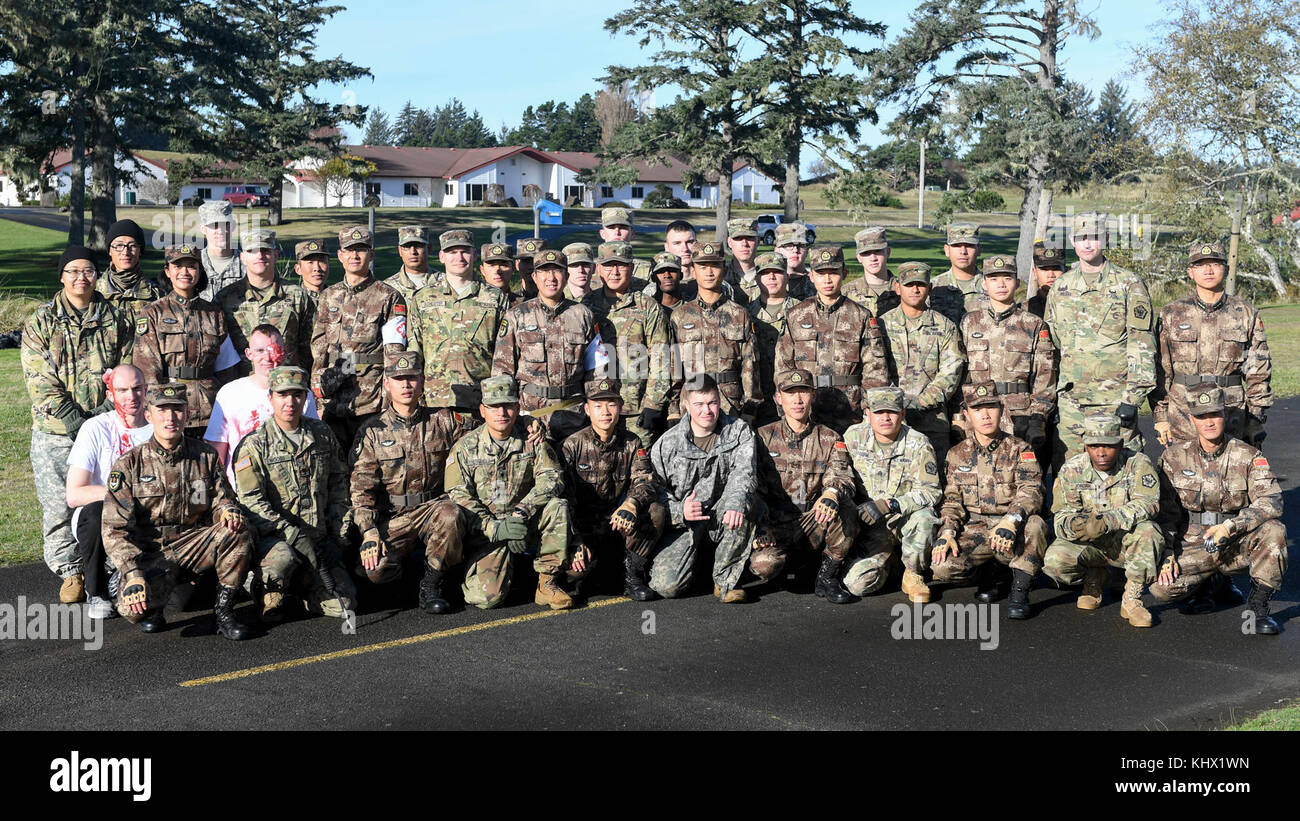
x=101, y=440
x=243, y=405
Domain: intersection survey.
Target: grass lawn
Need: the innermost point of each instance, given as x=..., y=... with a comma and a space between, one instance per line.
x=20, y=514
x=1283, y=718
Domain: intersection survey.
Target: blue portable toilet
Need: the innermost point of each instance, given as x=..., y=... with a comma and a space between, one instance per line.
x=549, y=213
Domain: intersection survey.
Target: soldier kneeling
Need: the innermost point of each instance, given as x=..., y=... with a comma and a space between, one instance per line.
x=990, y=506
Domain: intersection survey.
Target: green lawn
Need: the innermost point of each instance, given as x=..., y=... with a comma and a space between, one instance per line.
x=20, y=514
x=1283, y=718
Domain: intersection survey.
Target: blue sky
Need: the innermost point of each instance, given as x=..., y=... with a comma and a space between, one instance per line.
x=499, y=56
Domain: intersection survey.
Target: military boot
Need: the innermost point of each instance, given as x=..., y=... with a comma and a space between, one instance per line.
x=1202, y=601
x=634, y=586
x=1257, y=603
x=431, y=600
x=227, y=624
x=734, y=596
x=550, y=593
x=1094, y=582
x=1018, y=604
x=915, y=588
x=828, y=584
x=73, y=589
x=987, y=585
x=1131, y=607
x=1226, y=593
x=272, y=606
x=155, y=622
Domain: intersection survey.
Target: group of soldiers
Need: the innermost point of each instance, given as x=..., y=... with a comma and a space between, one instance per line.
x=632, y=425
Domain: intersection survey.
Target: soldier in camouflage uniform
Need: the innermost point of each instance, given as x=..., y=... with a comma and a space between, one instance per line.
x=507, y=489
x=742, y=239
x=221, y=264
x=124, y=284
x=768, y=311
x=960, y=288
x=291, y=479
x=312, y=267
x=582, y=266
x=1049, y=264
x=666, y=273
x=496, y=264
x=635, y=333
x=1100, y=318
x=454, y=325
x=398, y=492
x=183, y=337
x=715, y=336
x=896, y=487
x=551, y=346
x=1104, y=503
x=1222, y=507
x=616, y=226
x=1012, y=349
x=612, y=487
x=1212, y=337
x=679, y=240
x=525, y=250
x=413, y=248
x=805, y=480
x=792, y=243
x=68, y=345
x=835, y=339
x=991, y=502
x=357, y=320
x=706, y=470
x=263, y=298
x=926, y=357
x=169, y=515
x=875, y=290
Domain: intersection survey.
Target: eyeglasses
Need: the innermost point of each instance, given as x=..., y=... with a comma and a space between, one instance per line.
x=125, y=247
x=81, y=273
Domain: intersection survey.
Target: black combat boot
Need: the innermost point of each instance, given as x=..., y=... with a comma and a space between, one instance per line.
x=634, y=586
x=986, y=582
x=828, y=583
x=1226, y=593
x=1202, y=601
x=154, y=622
x=431, y=600
x=1260, y=594
x=223, y=610
x=1018, y=604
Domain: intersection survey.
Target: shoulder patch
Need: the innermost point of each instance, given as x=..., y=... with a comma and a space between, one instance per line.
x=505, y=326
x=243, y=464
x=141, y=325
x=641, y=452
x=400, y=309
x=1140, y=312
x=115, y=481
x=871, y=321
x=1260, y=462
x=1149, y=480
x=841, y=446
x=1028, y=456
x=1044, y=334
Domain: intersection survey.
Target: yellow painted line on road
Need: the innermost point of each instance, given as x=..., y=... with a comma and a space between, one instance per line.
x=385, y=645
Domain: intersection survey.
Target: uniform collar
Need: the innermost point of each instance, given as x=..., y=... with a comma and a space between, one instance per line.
x=1209, y=309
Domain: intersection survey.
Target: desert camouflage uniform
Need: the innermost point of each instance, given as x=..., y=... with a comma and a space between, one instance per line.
x=600, y=476
x=635, y=331
x=769, y=325
x=905, y=470
x=1014, y=351
x=219, y=278
x=547, y=352
x=456, y=334
x=925, y=354
x=128, y=299
x=953, y=297
x=718, y=340
x=179, y=340
x=879, y=299
x=281, y=304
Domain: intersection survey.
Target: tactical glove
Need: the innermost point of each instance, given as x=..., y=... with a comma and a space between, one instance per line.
x=1127, y=414
x=1164, y=434
x=133, y=589
x=1003, y=538
x=945, y=549
x=513, y=531
x=624, y=518
x=1088, y=526
x=827, y=504
x=1216, y=536
x=869, y=513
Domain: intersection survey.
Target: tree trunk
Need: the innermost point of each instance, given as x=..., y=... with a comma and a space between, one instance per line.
x=1035, y=177
x=77, y=192
x=275, y=185
x=723, y=210
x=103, y=206
x=792, y=185
x=1270, y=261
x=1042, y=223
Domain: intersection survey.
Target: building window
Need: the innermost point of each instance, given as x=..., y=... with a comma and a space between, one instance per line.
x=576, y=191
x=372, y=189
x=638, y=192
x=696, y=192
x=411, y=189
x=474, y=192
x=607, y=191
x=449, y=189
x=204, y=193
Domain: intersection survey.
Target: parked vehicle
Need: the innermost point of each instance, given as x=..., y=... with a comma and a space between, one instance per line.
x=247, y=195
x=767, y=228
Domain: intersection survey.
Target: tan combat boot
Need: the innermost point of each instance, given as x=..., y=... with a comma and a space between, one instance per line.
x=915, y=588
x=734, y=596
x=272, y=607
x=73, y=589
x=1094, y=583
x=1131, y=606
x=549, y=593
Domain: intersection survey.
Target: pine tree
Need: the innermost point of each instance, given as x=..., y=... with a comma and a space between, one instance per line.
x=378, y=130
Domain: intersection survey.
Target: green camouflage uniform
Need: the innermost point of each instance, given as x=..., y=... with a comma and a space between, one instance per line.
x=769, y=325
x=281, y=304
x=878, y=299
x=128, y=292
x=953, y=297
x=457, y=334
x=927, y=360
x=634, y=329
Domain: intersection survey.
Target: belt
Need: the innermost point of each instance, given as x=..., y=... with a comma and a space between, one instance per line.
x=190, y=372
x=368, y=359
x=411, y=500
x=826, y=379
x=548, y=392
x=725, y=377
x=1208, y=519
x=1200, y=379
x=1004, y=388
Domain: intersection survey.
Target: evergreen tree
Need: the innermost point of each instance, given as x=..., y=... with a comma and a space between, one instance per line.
x=378, y=130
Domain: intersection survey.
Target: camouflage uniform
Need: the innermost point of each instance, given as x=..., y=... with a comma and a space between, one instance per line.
x=878, y=299
x=951, y=296
x=1014, y=351
x=456, y=334
x=718, y=340
x=219, y=276
x=1044, y=257
x=64, y=356
x=722, y=479
x=128, y=292
x=180, y=339
x=281, y=304
x=401, y=281
x=769, y=325
x=927, y=356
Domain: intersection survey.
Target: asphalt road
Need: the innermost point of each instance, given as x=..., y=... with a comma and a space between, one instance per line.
x=39, y=217
x=785, y=661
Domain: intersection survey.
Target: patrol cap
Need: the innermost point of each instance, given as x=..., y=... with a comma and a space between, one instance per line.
x=287, y=378
x=1088, y=225
x=665, y=261
x=825, y=256
x=526, y=248
x=963, y=233
x=885, y=399
x=550, y=257
x=215, y=212
x=615, y=216
x=871, y=239
x=499, y=390
x=579, y=252
x=1203, y=399
x=977, y=394
x=708, y=252
x=742, y=227
x=403, y=363
x=496, y=252
x=411, y=234
x=168, y=393
x=257, y=239
x=1102, y=429
x=614, y=252
x=1206, y=250
x=455, y=238
x=1045, y=257
x=604, y=389
x=791, y=233
x=174, y=252
x=795, y=379
x=310, y=248
x=354, y=235
x=910, y=272
x=1000, y=264
x=770, y=261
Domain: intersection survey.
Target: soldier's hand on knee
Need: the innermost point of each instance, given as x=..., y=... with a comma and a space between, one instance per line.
x=826, y=508
x=1003, y=539
x=134, y=594
x=733, y=519
x=623, y=519
x=372, y=549
x=1169, y=570
x=233, y=519
x=580, y=560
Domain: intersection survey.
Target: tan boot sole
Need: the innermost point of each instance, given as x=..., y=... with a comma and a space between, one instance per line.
x=71, y=592
x=1124, y=612
x=555, y=604
x=1088, y=602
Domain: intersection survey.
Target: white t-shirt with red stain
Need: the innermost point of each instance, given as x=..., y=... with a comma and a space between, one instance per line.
x=101, y=441
x=239, y=409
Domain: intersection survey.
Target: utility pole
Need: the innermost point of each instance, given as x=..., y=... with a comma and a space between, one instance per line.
x=920, y=203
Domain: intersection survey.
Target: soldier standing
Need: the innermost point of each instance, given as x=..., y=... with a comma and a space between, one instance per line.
x=497, y=263
x=170, y=514
x=582, y=264
x=313, y=267
x=67, y=346
x=958, y=290
x=896, y=486
x=612, y=487
x=1222, y=507
x=926, y=356
x=875, y=291
x=124, y=284
x=1104, y=503
x=666, y=271
x=1212, y=338
x=261, y=297
x=991, y=502
x=792, y=243
x=1049, y=264
x=837, y=340
x=805, y=479
x=291, y=479
x=413, y=248
x=525, y=250
x=742, y=239
x=768, y=312
x=616, y=226
x=221, y=264
x=357, y=320
x=454, y=326
x=679, y=239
